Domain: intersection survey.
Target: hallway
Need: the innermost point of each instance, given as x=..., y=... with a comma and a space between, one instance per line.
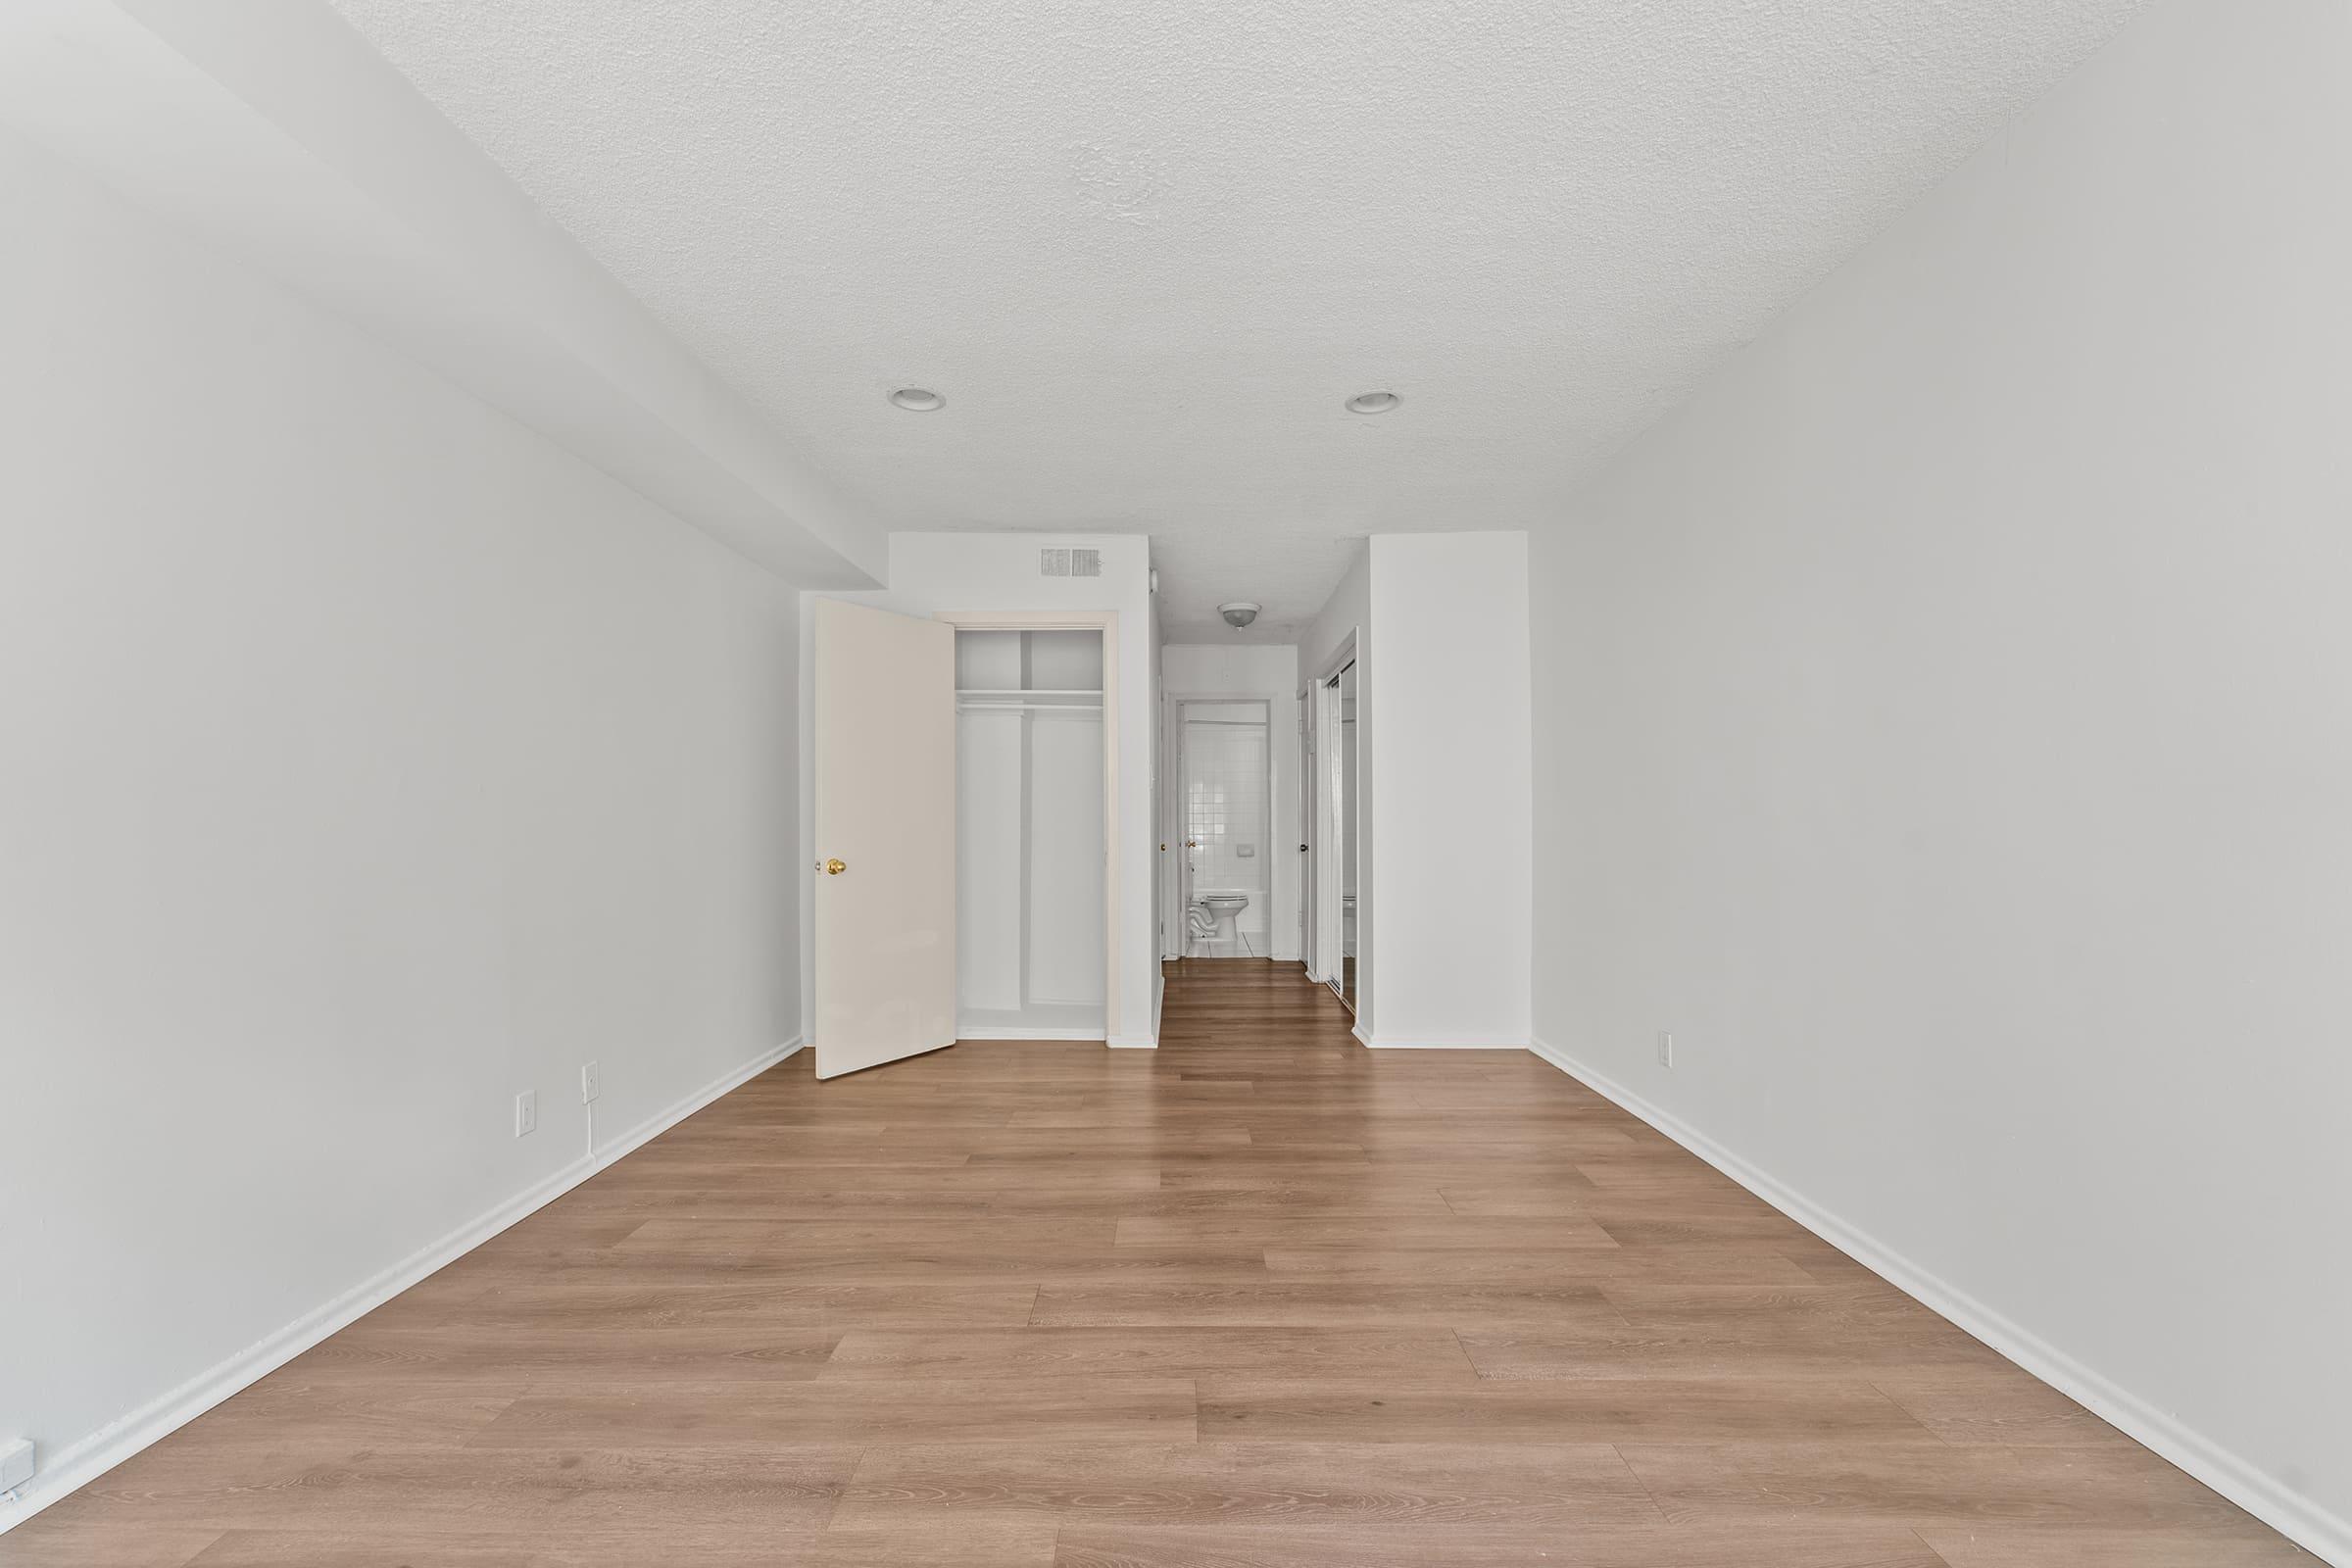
x=1259, y=1297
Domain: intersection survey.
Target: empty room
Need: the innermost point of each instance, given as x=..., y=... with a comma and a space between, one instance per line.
x=971, y=784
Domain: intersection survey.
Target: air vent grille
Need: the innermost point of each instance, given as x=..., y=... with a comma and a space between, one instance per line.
x=1069, y=563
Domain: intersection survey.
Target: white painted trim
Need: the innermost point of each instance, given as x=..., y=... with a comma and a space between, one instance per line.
x=2259, y=1493
x=993, y=1031
x=1309, y=829
x=1460, y=1043
x=1342, y=656
x=77, y=1466
x=1328, y=904
x=1131, y=1042
x=1357, y=1030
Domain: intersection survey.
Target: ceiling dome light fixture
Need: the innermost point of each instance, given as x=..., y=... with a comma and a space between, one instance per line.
x=1241, y=613
x=1373, y=402
x=918, y=398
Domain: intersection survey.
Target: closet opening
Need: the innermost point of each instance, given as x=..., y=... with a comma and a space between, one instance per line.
x=1034, y=803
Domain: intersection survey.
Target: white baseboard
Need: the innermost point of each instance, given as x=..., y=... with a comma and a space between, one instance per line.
x=2261, y=1494
x=82, y=1462
x=1362, y=1038
x=1459, y=1043
x=1131, y=1042
x=993, y=1031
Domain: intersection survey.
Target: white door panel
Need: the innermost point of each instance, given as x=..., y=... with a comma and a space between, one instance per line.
x=885, y=811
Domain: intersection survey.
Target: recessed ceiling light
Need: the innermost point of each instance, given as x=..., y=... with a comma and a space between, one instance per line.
x=1373, y=402
x=918, y=398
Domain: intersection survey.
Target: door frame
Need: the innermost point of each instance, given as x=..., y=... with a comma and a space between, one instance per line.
x=1310, y=835
x=1180, y=903
x=1105, y=621
x=1328, y=905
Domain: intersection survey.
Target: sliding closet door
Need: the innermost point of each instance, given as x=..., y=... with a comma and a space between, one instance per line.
x=885, y=776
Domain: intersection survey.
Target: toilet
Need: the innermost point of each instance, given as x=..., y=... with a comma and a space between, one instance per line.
x=1219, y=911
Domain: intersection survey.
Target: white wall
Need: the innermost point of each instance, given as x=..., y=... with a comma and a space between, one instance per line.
x=931, y=572
x=365, y=760
x=276, y=134
x=1259, y=671
x=1452, y=774
x=1444, y=787
x=1943, y=729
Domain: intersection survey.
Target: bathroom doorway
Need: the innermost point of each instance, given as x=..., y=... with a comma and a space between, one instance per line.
x=1225, y=816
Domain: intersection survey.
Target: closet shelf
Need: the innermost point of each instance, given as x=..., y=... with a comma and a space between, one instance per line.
x=983, y=698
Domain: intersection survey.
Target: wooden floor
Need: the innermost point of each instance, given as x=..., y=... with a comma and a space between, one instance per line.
x=1262, y=1296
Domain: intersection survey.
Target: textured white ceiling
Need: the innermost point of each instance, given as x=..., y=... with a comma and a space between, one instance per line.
x=1147, y=250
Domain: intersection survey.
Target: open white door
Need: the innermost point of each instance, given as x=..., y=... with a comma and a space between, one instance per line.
x=885, y=774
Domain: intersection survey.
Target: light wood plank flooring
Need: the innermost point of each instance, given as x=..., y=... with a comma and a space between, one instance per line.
x=1260, y=1297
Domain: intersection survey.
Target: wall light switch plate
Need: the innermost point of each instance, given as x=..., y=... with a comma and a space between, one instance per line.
x=16, y=1462
x=527, y=1112
x=588, y=1089
x=1665, y=1048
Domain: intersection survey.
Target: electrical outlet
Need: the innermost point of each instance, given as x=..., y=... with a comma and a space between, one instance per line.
x=1665, y=1048
x=16, y=1462
x=527, y=1112
x=588, y=1083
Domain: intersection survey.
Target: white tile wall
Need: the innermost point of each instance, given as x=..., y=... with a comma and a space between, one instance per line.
x=1226, y=811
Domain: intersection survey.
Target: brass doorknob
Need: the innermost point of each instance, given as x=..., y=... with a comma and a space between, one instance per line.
x=836, y=867
x=1192, y=844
